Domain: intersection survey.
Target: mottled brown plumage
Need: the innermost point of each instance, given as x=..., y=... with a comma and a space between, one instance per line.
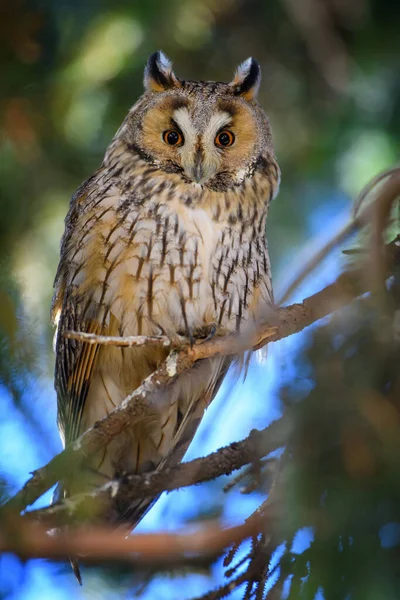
x=164, y=238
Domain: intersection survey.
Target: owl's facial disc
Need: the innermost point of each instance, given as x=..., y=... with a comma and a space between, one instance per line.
x=210, y=142
x=212, y=134
x=201, y=153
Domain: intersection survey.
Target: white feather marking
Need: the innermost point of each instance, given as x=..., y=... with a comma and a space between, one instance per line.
x=243, y=70
x=164, y=63
x=182, y=117
x=217, y=121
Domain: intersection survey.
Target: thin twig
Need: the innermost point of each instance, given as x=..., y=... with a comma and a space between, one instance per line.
x=361, y=215
x=381, y=210
x=370, y=186
x=109, y=340
x=340, y=236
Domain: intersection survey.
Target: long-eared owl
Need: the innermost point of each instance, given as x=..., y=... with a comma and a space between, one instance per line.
x=168, y=236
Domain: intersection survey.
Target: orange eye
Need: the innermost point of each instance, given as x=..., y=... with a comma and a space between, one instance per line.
x=173, y=137
x=224, y=139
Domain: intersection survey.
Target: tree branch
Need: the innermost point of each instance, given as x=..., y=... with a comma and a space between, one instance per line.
x=123, y=341
x=222, y=462
x=31, y=540
x=138, y=405
x=363, y=214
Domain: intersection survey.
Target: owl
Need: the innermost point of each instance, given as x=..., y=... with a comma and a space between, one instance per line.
x=167, y=237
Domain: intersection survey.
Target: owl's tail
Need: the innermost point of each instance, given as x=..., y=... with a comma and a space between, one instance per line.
x=76, y=569
x=58, y=494
x=131, y=513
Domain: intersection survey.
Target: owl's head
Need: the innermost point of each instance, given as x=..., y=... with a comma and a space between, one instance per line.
x=210, y=133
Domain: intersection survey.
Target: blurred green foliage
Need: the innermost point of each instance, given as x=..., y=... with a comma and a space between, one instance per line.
x=344, y=474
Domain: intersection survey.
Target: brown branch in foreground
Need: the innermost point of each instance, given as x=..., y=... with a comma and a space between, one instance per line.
x=137, y=406
x=284, y=322
x=222, y=462
x=31, y=540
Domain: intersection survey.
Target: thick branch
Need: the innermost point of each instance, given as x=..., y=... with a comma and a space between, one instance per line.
x=31, y=540
x=135, y=407
x=222, y=462
x=294, y=318
x=285, y=321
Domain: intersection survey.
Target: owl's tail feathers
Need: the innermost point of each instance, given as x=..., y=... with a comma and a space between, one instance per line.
x=59, y=494
x=130, y=514
x=76, y=569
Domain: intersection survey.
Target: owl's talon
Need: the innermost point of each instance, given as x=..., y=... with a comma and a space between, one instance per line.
x=191, y=339
x=211, y=333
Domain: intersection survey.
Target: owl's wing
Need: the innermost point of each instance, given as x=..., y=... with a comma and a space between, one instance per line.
x=74, y=360
x=191, y=420
x=74, y=367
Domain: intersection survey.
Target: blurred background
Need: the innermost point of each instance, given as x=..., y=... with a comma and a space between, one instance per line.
x=69, y=72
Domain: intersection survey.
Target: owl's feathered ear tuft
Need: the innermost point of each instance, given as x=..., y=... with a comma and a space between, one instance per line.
x=158, y=73
x=247, y=79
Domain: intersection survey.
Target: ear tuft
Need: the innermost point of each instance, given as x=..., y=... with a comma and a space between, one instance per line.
x=158, y=73
x=247, y=79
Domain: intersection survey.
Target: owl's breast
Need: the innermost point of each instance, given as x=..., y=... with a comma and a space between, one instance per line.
x=240, y=278
x=149, y=272
x=164, y=267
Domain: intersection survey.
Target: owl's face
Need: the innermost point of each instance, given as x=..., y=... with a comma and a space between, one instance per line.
x=212, y=134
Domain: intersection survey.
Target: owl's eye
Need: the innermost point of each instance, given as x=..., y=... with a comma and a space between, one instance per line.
x=224, y=139
x=173, y=137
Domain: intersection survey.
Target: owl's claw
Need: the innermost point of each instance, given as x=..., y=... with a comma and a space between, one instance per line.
x=212, y=331
x=206, y=333
x=191, y=338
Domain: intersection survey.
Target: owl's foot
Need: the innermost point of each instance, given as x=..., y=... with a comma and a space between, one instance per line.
x=207, y=333
x=212, y=331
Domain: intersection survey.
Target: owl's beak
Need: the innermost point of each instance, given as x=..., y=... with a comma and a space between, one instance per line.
x=198, y=170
